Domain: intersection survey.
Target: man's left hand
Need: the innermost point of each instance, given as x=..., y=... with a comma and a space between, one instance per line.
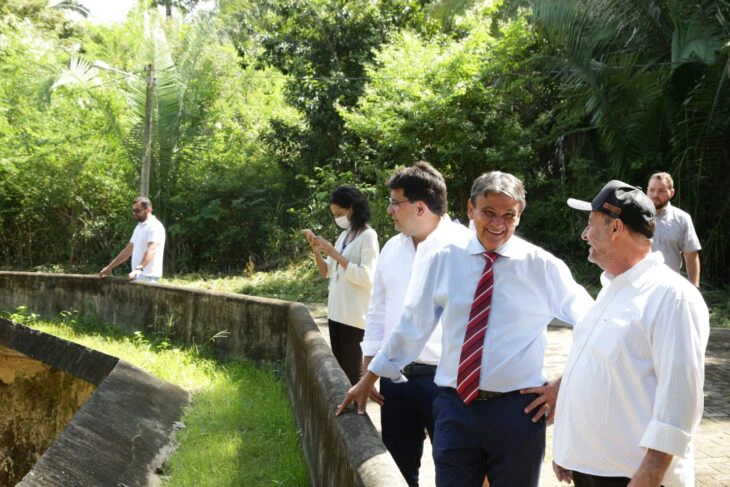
x=562, y=474
x=645, y=479
x=134, y=274
x=544, y=404
x=358, y=394
x=651, y=471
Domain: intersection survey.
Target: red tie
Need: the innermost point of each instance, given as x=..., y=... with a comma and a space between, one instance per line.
x=470, y=363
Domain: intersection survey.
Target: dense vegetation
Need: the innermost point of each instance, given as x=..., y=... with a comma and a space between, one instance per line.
x=261, y=107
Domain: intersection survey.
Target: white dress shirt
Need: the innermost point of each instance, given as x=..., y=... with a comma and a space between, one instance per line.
x=397, y=259
x=531, y=287
x=634, y=376
x=674, y=234
x=149, y=231
x=349, y=289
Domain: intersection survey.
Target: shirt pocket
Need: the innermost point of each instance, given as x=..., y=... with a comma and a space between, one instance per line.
x=611, y=339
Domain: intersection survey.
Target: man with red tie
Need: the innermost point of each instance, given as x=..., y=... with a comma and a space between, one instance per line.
x=495, y=296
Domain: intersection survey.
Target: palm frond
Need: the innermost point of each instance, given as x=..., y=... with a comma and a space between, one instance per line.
x=73, y=6
x=82, y=75
x=79, y=72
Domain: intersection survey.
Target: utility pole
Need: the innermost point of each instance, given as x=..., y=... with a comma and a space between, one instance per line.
x=144, y=183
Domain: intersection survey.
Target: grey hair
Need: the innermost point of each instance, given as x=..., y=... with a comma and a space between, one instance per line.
x=501, y=183
x=144, y=201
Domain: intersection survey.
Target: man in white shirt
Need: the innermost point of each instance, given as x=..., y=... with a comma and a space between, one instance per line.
x=146, y=247
x=631, y=395
x=498, y=432
x=675, y=235
x=418, y=208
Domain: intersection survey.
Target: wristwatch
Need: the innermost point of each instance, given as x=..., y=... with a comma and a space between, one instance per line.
x=139, y=268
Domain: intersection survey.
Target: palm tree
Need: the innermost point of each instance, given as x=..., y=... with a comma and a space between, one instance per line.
x=156, y=98
x=644, y=84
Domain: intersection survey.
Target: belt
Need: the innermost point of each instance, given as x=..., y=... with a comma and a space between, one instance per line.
x=414, y=368
x=482, y=395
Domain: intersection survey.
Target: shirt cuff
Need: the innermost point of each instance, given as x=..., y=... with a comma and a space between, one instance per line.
x=666, y=438
x=369, y=348
x=384, y=368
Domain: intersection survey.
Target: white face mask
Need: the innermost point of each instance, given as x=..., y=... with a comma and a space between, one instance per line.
x=343, y=222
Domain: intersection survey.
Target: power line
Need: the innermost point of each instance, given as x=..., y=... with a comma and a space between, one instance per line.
x=429, y=76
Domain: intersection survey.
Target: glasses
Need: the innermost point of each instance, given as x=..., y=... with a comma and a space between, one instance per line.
x=137, y=210
x=392, y=202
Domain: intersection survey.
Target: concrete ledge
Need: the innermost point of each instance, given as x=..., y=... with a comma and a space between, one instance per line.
x=84, y=363
x=343, y=451
x=121, y=433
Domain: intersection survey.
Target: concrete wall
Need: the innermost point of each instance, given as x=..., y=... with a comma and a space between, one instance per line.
x=38, y=402
x=342, y=451
x=121, y=435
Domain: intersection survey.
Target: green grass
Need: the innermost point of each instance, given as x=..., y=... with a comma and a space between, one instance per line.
x=297, y=282
x=239, y=430
x=718, y=300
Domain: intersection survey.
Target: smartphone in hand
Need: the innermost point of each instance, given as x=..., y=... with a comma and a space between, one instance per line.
x=311, y=237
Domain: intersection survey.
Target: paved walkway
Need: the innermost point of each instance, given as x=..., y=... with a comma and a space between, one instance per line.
x=712, y=444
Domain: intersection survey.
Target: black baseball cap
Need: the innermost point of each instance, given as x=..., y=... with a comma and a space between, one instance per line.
x=625, y=202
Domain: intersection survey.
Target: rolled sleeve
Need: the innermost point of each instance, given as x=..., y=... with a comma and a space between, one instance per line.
x=679, y=340
x=666, y=438
x=156, y=235
x=382, y=367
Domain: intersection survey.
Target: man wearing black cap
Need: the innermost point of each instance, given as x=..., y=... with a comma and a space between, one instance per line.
x=631, y=394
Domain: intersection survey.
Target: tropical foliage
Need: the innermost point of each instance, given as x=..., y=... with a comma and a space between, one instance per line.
x=261, y=107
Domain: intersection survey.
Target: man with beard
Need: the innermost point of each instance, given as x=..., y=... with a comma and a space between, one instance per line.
x=675, y=236
x=146, y=247
x=631, y=395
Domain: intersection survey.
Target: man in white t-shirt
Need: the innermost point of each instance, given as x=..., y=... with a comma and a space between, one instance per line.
x=146, y=247
x=675, y=235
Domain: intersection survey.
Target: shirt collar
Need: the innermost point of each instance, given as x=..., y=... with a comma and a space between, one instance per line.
x=513, y=248
x=636, y=275
x=665, y=210
x=441, y=228
x=149, y=219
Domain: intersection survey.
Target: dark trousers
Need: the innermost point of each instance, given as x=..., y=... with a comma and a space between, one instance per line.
x=493, y=438
x=587, y=480
x=345, y=341
x=405, y=417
